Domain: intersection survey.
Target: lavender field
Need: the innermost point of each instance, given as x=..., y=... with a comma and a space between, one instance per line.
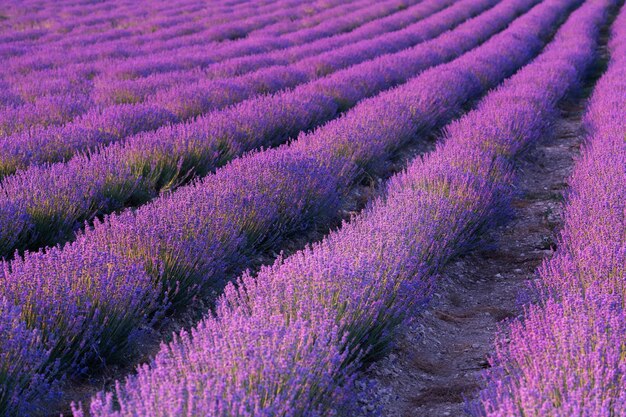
x=315, y=208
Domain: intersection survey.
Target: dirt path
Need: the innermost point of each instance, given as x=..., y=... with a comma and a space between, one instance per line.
x=437, y=361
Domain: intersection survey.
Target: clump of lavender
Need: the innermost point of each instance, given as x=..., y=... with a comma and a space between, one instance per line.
x=25, y=369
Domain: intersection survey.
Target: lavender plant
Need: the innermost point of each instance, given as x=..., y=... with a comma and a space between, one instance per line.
x=25, y=377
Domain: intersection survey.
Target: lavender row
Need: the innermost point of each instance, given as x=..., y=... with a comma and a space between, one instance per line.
x=289, y=341
x=87, y=298
x=43, y=205
x=566, y=357
x=108, y=56
x=97, y=58
x=110, y=124
x=136, y=89
x=79, y=96
x=246, y=17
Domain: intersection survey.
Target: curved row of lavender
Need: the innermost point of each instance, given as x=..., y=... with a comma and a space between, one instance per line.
x=126, y=64
x=567, y=357
x=61, y=108
x=153, y=32
x=145, y=30
x=79, y=80
x=43, y=205
x=85, y=300
x=76, y=82
x=110, y=124
x=289, y=342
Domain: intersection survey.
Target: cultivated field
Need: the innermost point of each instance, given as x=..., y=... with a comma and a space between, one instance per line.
x=313, y=208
